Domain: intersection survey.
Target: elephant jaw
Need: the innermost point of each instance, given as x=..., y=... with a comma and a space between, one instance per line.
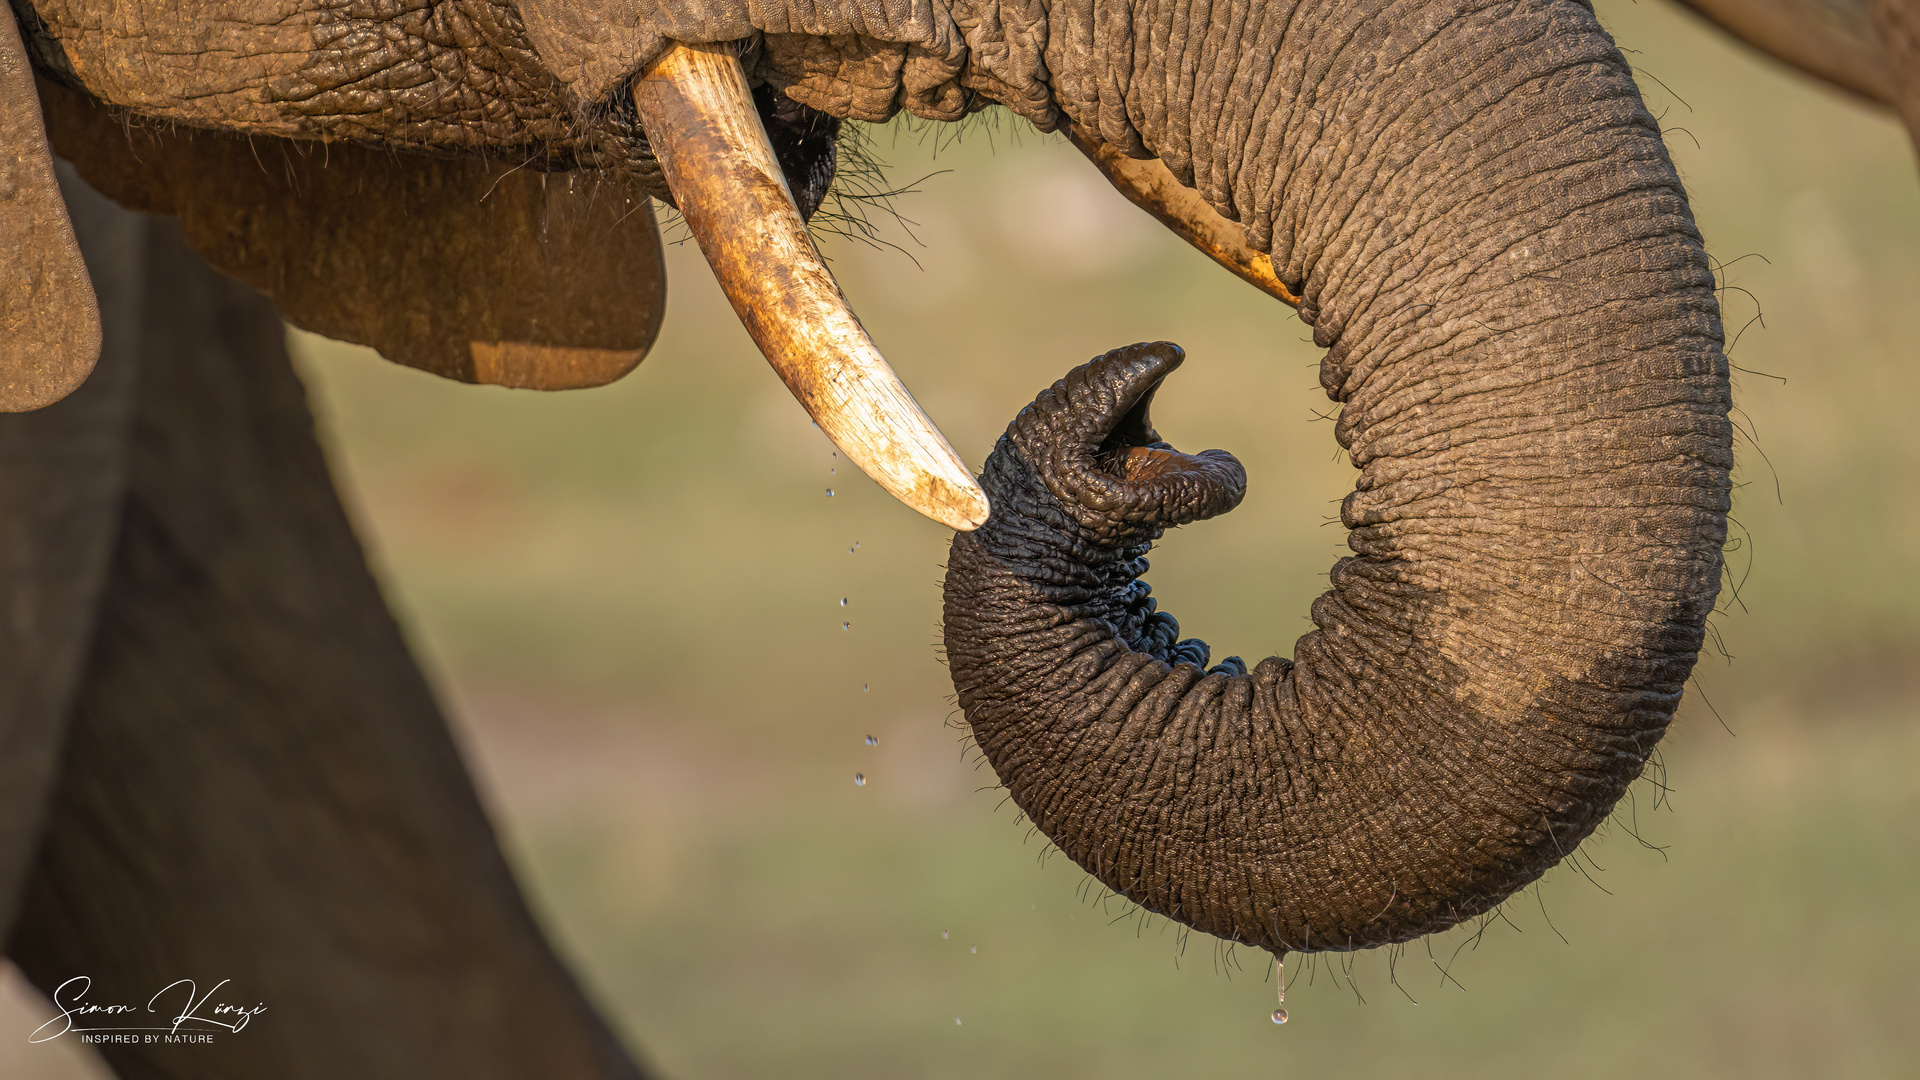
x=699, y=117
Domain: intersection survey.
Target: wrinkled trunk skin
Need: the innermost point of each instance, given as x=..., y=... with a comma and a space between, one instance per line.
x=1523, y=335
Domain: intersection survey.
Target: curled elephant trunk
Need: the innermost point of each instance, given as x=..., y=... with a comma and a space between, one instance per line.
x=700, y=120
x=1522, y=331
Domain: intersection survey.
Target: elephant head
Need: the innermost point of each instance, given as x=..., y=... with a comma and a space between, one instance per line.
x=1466, y=201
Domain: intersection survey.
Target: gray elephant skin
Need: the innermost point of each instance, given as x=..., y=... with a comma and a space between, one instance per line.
x=216, y=753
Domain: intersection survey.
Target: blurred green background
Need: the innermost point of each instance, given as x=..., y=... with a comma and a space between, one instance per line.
x=632, y=599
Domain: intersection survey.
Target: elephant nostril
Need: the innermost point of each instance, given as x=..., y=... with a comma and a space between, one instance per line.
x=1090, y=442
x=1146, y=464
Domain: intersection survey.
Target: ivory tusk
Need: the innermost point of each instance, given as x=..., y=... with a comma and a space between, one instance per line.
x=1151, y=187
x=698, y=114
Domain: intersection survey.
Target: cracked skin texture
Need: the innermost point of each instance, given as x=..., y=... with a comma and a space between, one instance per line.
x=540, y=76
x=538, y=84
x=1427, y=751
x=442, y=75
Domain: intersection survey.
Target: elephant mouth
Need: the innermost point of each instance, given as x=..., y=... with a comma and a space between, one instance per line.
x=746, y=169
x=805, y=142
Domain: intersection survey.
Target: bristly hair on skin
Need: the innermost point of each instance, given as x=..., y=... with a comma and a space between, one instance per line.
x=857, y=207
x=863, y=190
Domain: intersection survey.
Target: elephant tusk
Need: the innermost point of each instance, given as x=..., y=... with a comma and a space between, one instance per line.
x=1151, y=187
x=698, y=114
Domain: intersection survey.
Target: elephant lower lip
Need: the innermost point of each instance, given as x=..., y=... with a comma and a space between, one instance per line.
x=806, y=144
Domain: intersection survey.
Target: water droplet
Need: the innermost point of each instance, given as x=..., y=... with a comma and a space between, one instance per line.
x=975, y=949
x=956, y=1021
x=859, y=779
x=829, y=493
x=843, y=601
x=836, y=453
x=1280, y=981
x=943, y=935
x=865, y=689
x=871, y=741
x=846, y=626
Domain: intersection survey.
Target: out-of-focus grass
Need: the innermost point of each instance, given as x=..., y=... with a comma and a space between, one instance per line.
x=633, y=597
x=757, y=921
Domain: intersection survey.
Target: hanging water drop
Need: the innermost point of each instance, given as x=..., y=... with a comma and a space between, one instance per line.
x=843, y=601
x=1280, y=980
x=871, y=741
x=859, y=779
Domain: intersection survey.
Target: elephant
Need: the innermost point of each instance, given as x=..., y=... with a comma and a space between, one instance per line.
x=1869, y=48
x=220, y=754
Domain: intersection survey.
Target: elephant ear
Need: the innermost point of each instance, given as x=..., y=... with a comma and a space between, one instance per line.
x=49, y=322
x=476, y=270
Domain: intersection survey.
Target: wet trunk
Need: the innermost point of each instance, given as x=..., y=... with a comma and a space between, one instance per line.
x=1522, y=331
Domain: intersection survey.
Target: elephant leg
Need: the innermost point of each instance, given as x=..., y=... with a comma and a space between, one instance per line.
x=62, y=477
x=256, y=784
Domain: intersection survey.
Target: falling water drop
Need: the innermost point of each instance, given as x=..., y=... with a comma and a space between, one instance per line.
x=974, y=949
x=956, y=1021
x=871, y=741
x=843, y=601
x=865, y=689
x=833, y=472
x=846, y=626
x=859, y=779
x=943, y=935
x=1280, y=978
x=829, y=493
